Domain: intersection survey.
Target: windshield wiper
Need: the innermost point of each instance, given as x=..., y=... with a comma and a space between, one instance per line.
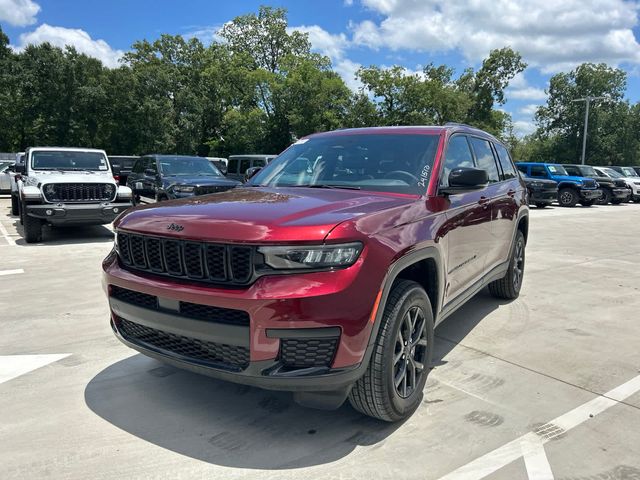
x=327, y=185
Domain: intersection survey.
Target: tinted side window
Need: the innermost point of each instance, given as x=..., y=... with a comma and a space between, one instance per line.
x=233, y=165
x=538, y=171
x=259, y=162
x=150, y=164
x=458, y=156
x=138, y=167
x=522, y=168
x=572, y=170
x=485, y=159
x=245, y=163
x=505, y=162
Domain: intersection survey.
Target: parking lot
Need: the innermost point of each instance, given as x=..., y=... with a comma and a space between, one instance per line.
x=547, y=386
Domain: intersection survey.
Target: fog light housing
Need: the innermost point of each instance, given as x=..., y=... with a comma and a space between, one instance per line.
x=49, y=212
x=116, y=210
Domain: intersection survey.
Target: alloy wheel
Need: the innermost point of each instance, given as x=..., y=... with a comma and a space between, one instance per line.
x=518, y=264
x=410, y=352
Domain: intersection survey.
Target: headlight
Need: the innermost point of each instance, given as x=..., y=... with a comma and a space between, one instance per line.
x=312, y=257
x=183, y=189
x=536, y=184
x=124, y=192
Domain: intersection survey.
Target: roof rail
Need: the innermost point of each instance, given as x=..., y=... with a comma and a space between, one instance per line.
x=456, y=124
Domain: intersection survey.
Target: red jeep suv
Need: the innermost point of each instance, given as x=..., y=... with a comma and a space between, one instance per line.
x=327, y=272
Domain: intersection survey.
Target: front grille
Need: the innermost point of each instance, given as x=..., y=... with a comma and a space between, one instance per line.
x=135, y=298
x=212, y=263
x=212, y=189
x=307, y=352
x=196, y=311
x=589, y=183
x=218, y=355
x=214, y=314
x=79, y=192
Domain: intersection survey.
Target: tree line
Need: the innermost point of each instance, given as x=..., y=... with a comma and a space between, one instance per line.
x=260, y=86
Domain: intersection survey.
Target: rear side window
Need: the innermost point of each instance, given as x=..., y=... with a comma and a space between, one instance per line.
x=259, y=162
x=138, y=167
x=245, y=163
x=458, y=156
x=233, y=165
x=538, y=171
x=485, y=158
x=508, y=171
x=150, y=164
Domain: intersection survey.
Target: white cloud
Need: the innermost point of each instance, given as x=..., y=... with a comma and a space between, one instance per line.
x=530, y=109
x=19, y=13
x=552, y=36
x=207, y=34
x=333, y=46
x=524, y=127
x=519, y=89
x=326, y=43
x=81, y=40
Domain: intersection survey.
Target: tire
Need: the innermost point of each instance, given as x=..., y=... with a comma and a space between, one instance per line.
x=567, y=197
x=32, y=227
x=605, y=199
x=15, y=205
x=541, y=205
x=376, y=393
x=508, y=287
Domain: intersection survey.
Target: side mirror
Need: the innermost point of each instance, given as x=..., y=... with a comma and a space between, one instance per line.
x=251, y=172
x=21, y=169
x=463, y=180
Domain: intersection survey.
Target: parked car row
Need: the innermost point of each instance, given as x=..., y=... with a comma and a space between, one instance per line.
x=572, y=184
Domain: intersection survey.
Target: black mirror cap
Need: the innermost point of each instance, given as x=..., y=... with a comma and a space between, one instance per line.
x=462, y=180
x=251, y=172
x=22, y=169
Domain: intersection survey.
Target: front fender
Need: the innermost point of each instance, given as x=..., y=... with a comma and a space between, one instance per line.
x=29, y=193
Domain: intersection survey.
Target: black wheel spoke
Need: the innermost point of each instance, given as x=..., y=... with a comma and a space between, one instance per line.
x=410, y=351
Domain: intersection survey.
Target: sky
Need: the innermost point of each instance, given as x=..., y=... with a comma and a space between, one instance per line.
x=552, y=36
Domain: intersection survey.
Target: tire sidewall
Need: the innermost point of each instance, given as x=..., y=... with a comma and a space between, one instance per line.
x=414, y=297
x=574, y=198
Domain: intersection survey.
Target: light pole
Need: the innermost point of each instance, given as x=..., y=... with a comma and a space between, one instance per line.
x=587, y=100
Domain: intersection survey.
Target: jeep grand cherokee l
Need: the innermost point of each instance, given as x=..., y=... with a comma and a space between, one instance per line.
x=327, y=273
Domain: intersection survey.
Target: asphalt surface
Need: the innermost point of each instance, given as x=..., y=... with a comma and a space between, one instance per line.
x=547, y=386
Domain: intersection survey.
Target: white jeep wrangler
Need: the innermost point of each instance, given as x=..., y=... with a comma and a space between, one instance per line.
x=67, y=186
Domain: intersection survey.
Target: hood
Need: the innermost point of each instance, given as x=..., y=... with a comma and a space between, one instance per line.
x=258, y=214
x=603, y=180
x=45, y=177
x=569, y=178
x=198, y=180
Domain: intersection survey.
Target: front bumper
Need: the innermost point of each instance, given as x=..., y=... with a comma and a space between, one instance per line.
x=620, y=193
x=591, y=194
x=290, y=318
x=85, y=214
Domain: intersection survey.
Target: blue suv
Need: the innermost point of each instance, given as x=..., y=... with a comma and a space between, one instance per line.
x=571, y=190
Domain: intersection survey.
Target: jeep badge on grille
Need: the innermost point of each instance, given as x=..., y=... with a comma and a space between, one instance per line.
x=175, y=227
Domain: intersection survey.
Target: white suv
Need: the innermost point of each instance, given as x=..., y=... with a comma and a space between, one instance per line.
x=632, y=182
x=67, y=186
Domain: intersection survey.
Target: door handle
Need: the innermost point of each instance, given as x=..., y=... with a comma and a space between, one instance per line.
x=511, y=192
x=483, y=200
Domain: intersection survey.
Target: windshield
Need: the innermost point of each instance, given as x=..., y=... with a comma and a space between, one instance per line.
x=629, y=172
x=389, y=163
x=612, y=173
x=558, y=170
x=191, y=166
x=67, y=160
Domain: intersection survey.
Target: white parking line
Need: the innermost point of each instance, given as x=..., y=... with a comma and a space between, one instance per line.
x=535, y=460
x=12, y=366
x=11, y=272
x=5, y=234
x=502, y=456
